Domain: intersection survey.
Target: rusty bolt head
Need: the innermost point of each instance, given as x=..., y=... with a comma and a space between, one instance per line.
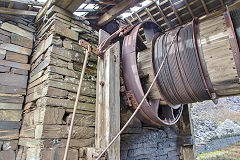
x=102, y=83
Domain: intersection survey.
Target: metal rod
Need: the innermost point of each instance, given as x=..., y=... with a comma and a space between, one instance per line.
x=139, y=106
x=76, y=103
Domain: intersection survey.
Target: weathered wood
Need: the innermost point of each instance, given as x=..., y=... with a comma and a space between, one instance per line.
x=12, y=90
x=21, y=41
x=145, y=68
x=116, y=11
x=61, y=131
x=15, y=29
x=16, y=57
x=219, y=56
x=10, y=106
x=15, y=64
x=15, y=80
x=10, y=115
x=10, y=125
x=108, y=99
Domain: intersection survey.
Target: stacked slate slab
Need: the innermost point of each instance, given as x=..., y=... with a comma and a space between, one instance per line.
x=56, y=65
x=16, y=41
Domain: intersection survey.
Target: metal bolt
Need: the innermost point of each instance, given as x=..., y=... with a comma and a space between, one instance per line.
x=102, y=83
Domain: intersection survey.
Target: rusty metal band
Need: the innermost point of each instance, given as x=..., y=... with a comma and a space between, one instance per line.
x=181, y=80
x=233, y=38
x=148, y=113
x=207, y=80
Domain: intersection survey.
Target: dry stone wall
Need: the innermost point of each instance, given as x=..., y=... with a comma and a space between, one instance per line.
x=16, y=41
x=56, y=65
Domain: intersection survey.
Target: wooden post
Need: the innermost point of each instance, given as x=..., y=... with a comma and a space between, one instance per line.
x=108, y=99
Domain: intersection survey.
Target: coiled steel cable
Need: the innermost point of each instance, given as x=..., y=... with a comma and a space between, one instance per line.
x=181, y=80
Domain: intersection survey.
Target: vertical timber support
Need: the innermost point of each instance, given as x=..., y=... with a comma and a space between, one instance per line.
x=108, y=99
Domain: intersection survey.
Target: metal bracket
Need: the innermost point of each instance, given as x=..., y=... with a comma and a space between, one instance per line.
x=131, y=99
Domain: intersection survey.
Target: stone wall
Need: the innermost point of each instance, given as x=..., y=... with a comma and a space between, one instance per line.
x=16, y=41
x=216, y=126
x=56, y=65
x=146, y=143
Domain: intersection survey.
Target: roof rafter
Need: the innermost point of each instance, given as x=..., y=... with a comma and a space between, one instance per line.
x=116, y=11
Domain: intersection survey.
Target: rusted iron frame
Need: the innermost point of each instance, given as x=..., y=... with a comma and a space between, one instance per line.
x=233, y=41
x=207, y=80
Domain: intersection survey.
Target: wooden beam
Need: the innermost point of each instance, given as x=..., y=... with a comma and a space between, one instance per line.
x=108, y=99
x=30, y=2
x=222, y=3
x=163, y=15
x=205, y=6
x=138, y=17
x=10, y=4
x=189, y=9
x=17, y=12
x=150, y=15
x=110, y=3
x=116, y=11
x=175, y=12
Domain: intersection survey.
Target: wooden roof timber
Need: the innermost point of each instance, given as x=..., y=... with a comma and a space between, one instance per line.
x=29, y=2
x=116, y=11
x=183, y=14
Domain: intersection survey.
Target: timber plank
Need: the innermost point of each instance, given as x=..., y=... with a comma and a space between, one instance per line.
x=16, y=57
x=21, y=41
x=15, y=80
x=15, y=64
x=15, y=29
